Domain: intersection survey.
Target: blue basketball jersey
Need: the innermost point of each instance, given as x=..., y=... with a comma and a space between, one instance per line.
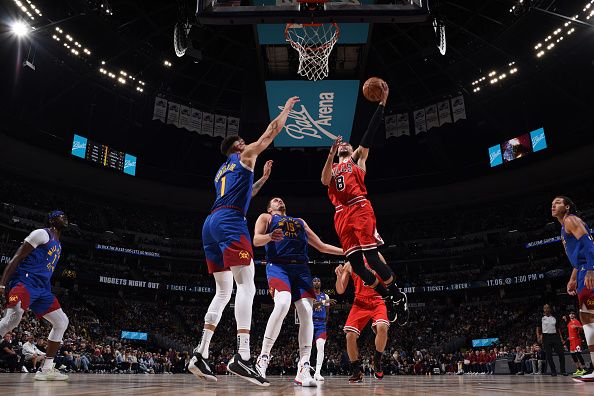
x=576, y=257
x=37, y=268
x=320, y=312
x=233, y=183
x=292, y=249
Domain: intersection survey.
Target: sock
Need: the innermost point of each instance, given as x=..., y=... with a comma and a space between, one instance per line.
x=243, y=345
x=48, y=364
x=356, y=367
x=205, y=343
x=377, y=360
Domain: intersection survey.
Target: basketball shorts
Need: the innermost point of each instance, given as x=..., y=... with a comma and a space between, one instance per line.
x=356, y=227
x=363, y=311
x=585, y=296
x=319, y=329
x=293, y=278
x=40, y=301
x=575, y=346
x=226, y=240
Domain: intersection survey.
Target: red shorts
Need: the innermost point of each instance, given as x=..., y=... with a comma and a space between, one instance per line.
x=575, y=345
x=364, y=310
x=586, y=297
x=356, y=228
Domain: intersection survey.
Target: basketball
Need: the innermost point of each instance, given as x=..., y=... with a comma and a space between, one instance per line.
x=372, y=89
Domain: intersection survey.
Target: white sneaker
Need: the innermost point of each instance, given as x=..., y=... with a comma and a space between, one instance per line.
x=24, y=369
x=262, y=365
x=586, y=378
x=318, y=377
x=303, y=377
x=50, y=375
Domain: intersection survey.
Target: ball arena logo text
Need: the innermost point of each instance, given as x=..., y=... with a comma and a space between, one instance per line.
x=304, y=123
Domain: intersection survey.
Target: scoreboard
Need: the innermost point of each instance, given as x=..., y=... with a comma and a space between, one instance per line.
x=103, y=155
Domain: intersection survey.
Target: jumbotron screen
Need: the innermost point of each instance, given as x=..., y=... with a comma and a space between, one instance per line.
x=518, y=147
x=103, y=155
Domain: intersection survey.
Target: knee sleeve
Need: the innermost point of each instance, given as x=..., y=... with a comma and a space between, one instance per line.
x=382, y=269
x=224, y=289
x=11, y=319
x=282, y=303
x=59, y=322
x=246, y=290
x=589, y=333
x=358, y=265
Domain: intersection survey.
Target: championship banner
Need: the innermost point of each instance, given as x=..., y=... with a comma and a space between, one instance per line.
x=431, y=117
x=325, y=111
x=195, y=121
x=207, y=123
x=402, y=125
x=391, y=130
x=173, y=113
x=160, y=110
x=445, y=115
x=184, y=117
x=458, y=108
x=220, y=125
x=420, y=124
x=232, y=126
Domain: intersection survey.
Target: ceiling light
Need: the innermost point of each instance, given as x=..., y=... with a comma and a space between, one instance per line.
x=19, y=28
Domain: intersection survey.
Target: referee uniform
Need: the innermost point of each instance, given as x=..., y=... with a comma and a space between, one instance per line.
x=551, y=339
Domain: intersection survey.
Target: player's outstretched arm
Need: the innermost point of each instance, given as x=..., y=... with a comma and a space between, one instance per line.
x=251, y=152
x=342, y=277
x=265, y=175
x=327, y=170
x=23, y=251
x=575, y=226
x=261, y=238
x=362, y=152
x=314, y=240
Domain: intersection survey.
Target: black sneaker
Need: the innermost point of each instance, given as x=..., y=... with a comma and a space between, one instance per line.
x=245, y=370
x=356, y=378
x=200, y=368
x=397, y=305
x=378, y=372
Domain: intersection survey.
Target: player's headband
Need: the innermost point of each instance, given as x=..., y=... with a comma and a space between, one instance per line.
x=54, y=214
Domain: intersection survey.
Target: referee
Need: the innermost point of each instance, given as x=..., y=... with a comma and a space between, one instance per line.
x=548, y=333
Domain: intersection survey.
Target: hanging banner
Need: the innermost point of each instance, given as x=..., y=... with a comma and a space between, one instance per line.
x=458, y=108
x=207, y=123
x=173, y=113
x=420, y=123
x=232, y=126
x=445, y=115
x=220, y=125
x=431, y=117
x=391, y=130
x=195, y=121
x=160, y=110
x=402, y=125
x=184, y=117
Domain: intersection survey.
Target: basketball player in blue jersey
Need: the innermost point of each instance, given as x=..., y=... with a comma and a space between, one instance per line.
x=320, y=318
x=26, y=285
x=577, y=240
x=228, y=248
x=286, y=239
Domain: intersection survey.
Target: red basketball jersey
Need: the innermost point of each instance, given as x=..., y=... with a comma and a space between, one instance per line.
x=362, y=291
x=347, y=183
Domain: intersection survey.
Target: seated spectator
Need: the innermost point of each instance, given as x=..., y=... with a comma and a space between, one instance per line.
x=7, y=353
x=32, y=356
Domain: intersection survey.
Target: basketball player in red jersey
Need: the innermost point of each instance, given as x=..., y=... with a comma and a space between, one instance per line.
x=368, y=305
x=574, y=327
x=354, y=219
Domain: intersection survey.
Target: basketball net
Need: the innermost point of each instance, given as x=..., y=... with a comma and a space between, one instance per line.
x=314, y=43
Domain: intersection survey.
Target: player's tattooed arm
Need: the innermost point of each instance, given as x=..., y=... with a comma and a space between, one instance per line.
x=266, y=174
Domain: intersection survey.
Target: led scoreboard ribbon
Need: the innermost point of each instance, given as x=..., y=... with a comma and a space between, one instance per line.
x=103, y=155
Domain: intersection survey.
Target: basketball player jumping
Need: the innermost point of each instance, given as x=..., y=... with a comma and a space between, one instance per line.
x=26, y=284
x=579, y=247
x=228, y=249
x=320, y=319
x=354, y=219
x=289, y=278
x=368, y=305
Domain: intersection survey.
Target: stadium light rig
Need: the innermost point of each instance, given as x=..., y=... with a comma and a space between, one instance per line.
x=28, y=8
x=122, y=77
x=70, y=43
x=20, y=28
x=166, y=63
x=494, y=77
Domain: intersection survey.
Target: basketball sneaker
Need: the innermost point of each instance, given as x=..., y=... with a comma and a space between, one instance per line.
x=245, y=369
x=356, y=378
x=52, y=374
x=579, y=373
x=397, y=305
x=318, y=377
x=262, y=365
x=200, y=368
x=586, y=378
x=303, y=377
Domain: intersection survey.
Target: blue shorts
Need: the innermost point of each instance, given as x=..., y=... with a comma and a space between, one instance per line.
x=294, y=278
x=40, y=301
x=226, y=240
x=319, y=329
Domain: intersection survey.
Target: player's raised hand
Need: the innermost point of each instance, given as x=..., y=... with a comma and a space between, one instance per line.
x=277, y=235
x=291, y=102
x=572, y=287
x=589, y=280
x=385, y=92
x=267, y=169
x=339, y=270
x=334, y=147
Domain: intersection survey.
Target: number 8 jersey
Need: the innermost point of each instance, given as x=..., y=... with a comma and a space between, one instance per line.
x=347, y=185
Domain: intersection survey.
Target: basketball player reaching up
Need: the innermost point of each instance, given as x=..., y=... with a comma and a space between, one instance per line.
x=286, y=239
x=26, y=285
x=320, y=319
x=368, y=305
x=579, y=247
x=354, y=219
x=228, y=248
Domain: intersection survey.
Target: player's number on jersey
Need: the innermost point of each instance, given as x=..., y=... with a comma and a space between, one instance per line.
x=340, y=183
x=223, y=185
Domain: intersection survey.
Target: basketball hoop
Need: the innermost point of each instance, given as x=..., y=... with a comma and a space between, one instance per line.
x=314, y=42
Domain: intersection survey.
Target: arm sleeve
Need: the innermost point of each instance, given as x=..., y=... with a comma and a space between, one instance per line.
x=374, y=125
x=587, y=248
x=37, y=238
